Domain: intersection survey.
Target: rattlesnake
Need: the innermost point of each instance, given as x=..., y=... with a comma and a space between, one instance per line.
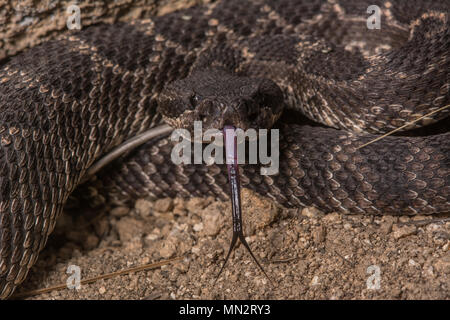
x=67, y=102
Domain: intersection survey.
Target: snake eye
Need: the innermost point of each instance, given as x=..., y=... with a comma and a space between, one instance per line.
x=195, y=99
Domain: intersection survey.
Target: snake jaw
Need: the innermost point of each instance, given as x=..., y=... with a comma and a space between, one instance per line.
x=235, y=190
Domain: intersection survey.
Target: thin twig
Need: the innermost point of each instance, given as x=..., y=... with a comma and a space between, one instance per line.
x=284, y=260
x=100, y=277
x=402, y=127
x=352, y=264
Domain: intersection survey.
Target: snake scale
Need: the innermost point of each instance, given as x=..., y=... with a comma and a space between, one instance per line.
x=67, y=102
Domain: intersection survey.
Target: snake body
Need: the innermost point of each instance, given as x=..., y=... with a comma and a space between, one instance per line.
x=67, y=102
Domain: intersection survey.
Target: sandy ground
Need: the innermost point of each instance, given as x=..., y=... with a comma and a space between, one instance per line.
x=307, y=254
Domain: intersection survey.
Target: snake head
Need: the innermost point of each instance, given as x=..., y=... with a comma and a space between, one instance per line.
x=218, y=98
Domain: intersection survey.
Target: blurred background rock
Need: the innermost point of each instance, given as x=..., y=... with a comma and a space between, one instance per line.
x=26, y=23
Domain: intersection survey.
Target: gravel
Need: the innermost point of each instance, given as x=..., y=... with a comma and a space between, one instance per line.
x=309, y=255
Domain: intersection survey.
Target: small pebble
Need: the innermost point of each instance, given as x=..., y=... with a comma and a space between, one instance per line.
x=211, y=224
x=198, y=227
x=333, y=217
x=195, y=205
x=405, y=231
x=163, y=205
x=386, y=224
x=168, y=248
x=129, y=228
x=315, y=281
x=91, y=242
x=143, y=207
x=120, y=212
x=412, y=263
x=319, y=235
x=312, y=212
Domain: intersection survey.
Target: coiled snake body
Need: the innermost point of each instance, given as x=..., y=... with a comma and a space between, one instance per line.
x=67, y=102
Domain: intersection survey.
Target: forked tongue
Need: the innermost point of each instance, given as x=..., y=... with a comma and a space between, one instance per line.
x=233, y=177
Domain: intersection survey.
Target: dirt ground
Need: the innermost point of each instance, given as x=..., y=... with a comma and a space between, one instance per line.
x=308, y=255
